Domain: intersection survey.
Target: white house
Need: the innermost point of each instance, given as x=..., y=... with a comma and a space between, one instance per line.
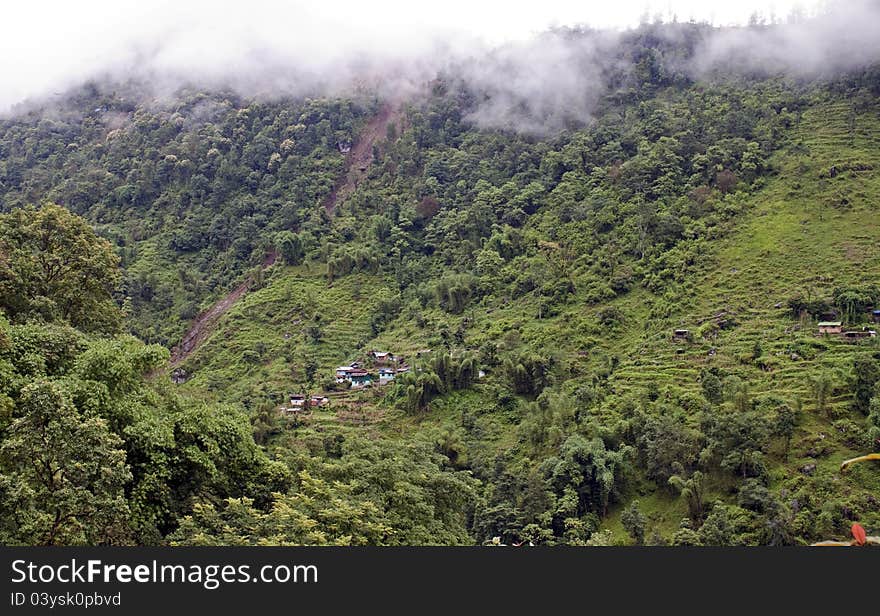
x=343, y=373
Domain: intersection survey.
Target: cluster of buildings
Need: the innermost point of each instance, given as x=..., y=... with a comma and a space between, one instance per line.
x=385, y=366
x=300, y=404
x=379, y=367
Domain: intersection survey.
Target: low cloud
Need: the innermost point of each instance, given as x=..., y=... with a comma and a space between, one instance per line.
x=536, y=83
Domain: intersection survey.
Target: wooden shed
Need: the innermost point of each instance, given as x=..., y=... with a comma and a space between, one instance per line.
x=830, y=327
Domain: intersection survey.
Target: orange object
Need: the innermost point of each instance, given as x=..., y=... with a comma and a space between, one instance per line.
x=859, y=533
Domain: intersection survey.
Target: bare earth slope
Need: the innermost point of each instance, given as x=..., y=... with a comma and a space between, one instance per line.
x=357, y=163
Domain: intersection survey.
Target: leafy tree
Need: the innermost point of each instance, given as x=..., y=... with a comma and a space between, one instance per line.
x=874, y=421
x=718, y=528
x=64, y=474
x=634, y=522
x=319, y=513
x=736, y=441
x=589, y=472
x=787, y=420
x=713, y=390
x=866, y=370
x=290, y=246
x=823, y=386
x=692, y=491
x=668, y=446
x=686, y=535
x=855, y=301
x=529, y=373
x=54, y=267
x=418, y=389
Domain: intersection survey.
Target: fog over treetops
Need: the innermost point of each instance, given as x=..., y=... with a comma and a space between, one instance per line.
x=529, y=81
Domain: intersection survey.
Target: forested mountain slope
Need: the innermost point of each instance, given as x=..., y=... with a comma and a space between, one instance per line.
x=531, y=282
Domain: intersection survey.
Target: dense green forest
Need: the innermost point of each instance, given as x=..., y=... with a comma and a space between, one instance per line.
x=609, y=332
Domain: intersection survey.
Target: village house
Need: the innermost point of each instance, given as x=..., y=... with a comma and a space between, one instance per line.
x=296, y=405
x=681, y=335
x=876, y=315
x=382, y=357
x=386, y=375
x=830, y=327
x=343, y=373
x=297, y=401
x=319, y=401
x=359, y=377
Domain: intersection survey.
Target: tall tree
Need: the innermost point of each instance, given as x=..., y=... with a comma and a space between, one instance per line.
x=63, y=474
x=53, y=266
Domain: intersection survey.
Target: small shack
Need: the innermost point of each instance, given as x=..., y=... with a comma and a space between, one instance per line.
x=296, y=407
x=386, y=375
x=875, y=314
x=382, y=357
x=830, y=327
x=859, y=334
x=297, y=401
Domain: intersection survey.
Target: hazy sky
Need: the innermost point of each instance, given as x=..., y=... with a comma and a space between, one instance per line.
x=52, y=44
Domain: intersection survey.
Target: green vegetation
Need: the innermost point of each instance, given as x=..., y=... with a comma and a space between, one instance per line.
x=532, y=286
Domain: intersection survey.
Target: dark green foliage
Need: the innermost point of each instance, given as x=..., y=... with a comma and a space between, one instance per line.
x=64, y=474
x=736, y=440
x=692, y=490
x=117, y=461
x=787, y=420
x=453, y=293
x=668, y=446
x=443, y=374
x=866, y=370
x=854, y=302
x=528, y=373
x=586, y=475
x=712, y=387
x=558, y=263
x=54, y=268
x=373, y=494
x=290, y=246
x=203, y=183
x=873, y=432
x=634, y=522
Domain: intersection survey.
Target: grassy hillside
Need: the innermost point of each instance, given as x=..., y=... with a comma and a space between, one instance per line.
x=801, y=232
x=531, y=276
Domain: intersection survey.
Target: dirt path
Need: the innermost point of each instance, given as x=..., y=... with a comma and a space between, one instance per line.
x=357, y=163
x=203, y=324
x=358, y=160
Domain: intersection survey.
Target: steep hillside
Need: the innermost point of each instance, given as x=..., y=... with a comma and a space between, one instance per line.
x=801, y=232
x=605, y=325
